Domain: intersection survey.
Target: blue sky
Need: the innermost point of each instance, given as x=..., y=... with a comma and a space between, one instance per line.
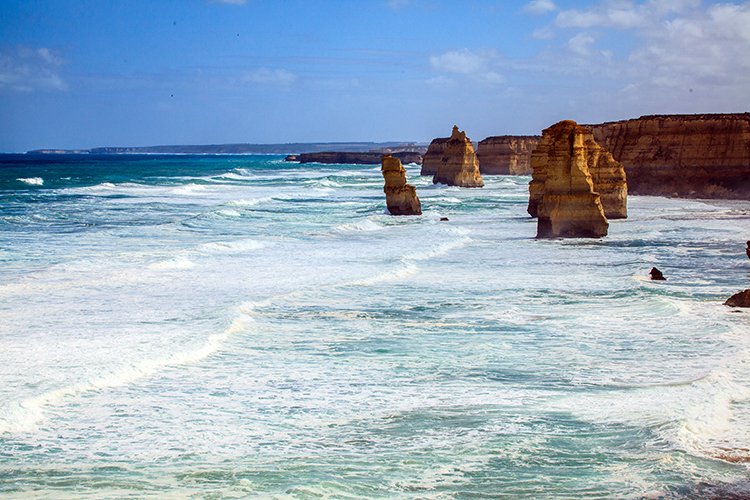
x=84, y=73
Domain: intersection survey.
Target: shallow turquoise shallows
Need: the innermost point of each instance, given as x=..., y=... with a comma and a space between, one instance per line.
x=238, y=326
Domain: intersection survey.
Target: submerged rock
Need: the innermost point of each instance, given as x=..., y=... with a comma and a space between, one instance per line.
x=458, y=165
x=561, y=192
x=741, y=299
x=656, y=275
x=400, y=197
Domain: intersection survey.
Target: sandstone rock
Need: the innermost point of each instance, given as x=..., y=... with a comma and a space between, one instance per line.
x=656, y=275
x=506, y=154
x=607, y=176
x=741, y=299
x=685, y=155
x=459, y=165
x=400, y=197
x=433, y=156
x=561, y=192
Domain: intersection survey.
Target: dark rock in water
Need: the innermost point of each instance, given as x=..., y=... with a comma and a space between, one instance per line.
x=291, y=158
x=747, y=251
x=741, y=299
x=656, y=274
x=444, y=219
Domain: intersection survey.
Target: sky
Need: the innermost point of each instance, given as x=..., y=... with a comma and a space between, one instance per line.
x=87, y=73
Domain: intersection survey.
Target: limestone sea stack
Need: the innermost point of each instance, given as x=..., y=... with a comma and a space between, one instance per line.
x=400, y=197
x=607, y=175
x=459, y=165
x=431, y=159
x=506, y=154
x=561, y=192
x=704, y=155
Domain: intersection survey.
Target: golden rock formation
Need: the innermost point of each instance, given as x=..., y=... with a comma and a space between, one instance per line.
x=431, y=159
x=506, y=154
x=400, y=197
x=607, y=175
x=562, y=192
x=459, y=165
x=682, y=155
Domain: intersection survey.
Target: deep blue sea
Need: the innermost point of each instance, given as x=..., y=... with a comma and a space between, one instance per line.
x=239, y=326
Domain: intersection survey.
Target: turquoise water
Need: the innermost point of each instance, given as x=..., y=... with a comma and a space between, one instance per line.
x=238, y=326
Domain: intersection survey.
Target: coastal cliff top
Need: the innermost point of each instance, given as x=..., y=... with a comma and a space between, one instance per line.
x=687, y=117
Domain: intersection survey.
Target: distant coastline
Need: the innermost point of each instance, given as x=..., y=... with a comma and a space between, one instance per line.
x=234, y=149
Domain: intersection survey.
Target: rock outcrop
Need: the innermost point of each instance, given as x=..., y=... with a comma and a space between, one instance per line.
x=433, y=156
x=741, y=299
x=459, y=165
x=656, y=275
x=506, y=154
x=400, y=197
x=747, y=250
x=607, y=175
x=561, y=191
x=682, y=155
x=370, y=158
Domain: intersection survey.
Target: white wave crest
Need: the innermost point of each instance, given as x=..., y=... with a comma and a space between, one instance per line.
x=23, y=416
x=249, y=202
x=31, y=181
x=365, y=225
x=233, y=246
x=179, y=262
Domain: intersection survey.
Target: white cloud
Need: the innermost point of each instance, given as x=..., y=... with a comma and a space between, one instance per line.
x=26, y=70
x=274, y=77
x=581, y=44
x=540, y=7
x=476, y=67
x=458, y=61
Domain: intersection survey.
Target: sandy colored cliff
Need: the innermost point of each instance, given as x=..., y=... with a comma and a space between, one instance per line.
x=682, y=155
x=506, y=154
x=458, y=165
x=400, y=197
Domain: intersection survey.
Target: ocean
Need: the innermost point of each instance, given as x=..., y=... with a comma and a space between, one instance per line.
x=240, y=326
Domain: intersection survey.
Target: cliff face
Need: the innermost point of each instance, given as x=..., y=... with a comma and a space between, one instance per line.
x=562, y=188
x=400, y=197
x=459, y=165
x=683, y=155
x=431, y=159
x=506, y=154
x=352, y=158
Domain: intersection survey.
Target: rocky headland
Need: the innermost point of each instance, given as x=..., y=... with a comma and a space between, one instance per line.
x=701, y=156
x=458, y=165
x=506, y=154
x=369, y=158
x=562, y=194
x=400, y=197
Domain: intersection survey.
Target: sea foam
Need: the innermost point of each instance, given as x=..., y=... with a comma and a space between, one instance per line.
x=31, y=181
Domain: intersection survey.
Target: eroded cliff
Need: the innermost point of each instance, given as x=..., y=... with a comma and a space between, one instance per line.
x=431, y=159
x=506, y=154
x=682, y=155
